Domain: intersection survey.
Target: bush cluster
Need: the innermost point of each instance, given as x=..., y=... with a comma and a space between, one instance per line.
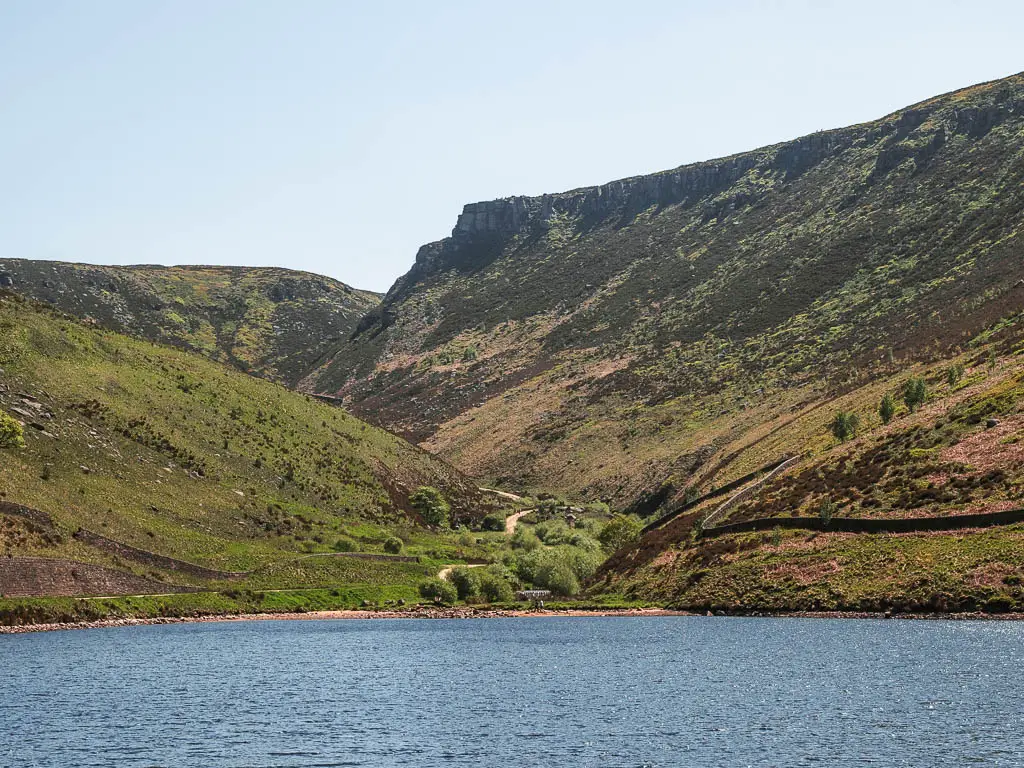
x=432, y=506
x=561, y=569
x=11, y=433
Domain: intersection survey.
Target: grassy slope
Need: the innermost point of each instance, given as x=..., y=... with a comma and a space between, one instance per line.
x=609, y=350
x=172, y=453
x=268, y=321
x=942, y=459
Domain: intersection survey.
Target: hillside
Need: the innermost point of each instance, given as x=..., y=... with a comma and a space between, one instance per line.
x=623, y=341
x=270, y=322
x=924, y=513
x=148, y=466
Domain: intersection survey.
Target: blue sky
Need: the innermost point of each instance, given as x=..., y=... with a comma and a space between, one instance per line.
x=338, y=137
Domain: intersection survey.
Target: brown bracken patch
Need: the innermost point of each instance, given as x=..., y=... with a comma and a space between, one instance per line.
x=985, y=449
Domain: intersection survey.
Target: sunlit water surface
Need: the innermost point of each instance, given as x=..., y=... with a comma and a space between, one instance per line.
x=679, y=691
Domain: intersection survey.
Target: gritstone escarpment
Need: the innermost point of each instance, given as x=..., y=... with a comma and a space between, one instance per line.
x=613, y=339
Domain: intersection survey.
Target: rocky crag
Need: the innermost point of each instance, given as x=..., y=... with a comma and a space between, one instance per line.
x=614, y=339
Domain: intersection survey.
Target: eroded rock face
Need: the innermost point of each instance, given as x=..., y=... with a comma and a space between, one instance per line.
x=515, y=215
x=800, y=260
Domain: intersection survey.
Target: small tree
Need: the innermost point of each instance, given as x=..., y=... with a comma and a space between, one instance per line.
x=432, y=506
x=560, y=579
x=393, y=545
x=439, y=591
x=954, y=373
x=619, y=531
x=844, y=425
x=827, y=511
x=887, y=408
x=11, y=433
x=524, y=538
x=466, y=582
x=914, y=392
x=494, y=522
x=495, y=589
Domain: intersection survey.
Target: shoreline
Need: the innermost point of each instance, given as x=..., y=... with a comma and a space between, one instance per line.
x=497, y=613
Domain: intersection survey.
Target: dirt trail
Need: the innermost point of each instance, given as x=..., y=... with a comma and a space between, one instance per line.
x=513, y=520
x=445, y=572
x=503, y=494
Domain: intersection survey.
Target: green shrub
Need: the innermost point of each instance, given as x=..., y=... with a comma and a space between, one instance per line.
x=887, y=408
x=554, y=532
x=915, y=391
x=619, y=531
x=494, y=589
x=493, y=522
x=954, y=373
x=545, y=567
x=466, y=582
x=345, y=544
x=438, y=590
x=394, y=545
x=844, y=425
x=559, y=578
x=584, y=564
x=500, y=571
x=827, y=510
x=524, y=538
x=432, y=506
x=584, y=541
x=11, y=433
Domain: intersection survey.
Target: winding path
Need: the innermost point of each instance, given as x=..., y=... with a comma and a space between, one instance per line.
x=513, y=520
x=445, y=572
x=503, y=494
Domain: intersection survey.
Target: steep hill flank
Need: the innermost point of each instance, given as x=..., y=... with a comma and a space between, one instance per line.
x=613, y=338
x=271, y=322
x=135, y=448
x=796, y=541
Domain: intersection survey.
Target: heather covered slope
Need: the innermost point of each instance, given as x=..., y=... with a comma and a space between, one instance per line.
x=785, y=546
x=269, y=322
x=615, y=339
x=172, y=454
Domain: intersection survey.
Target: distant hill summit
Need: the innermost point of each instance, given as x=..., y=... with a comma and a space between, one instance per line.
x=270, y=322
x=614, y=338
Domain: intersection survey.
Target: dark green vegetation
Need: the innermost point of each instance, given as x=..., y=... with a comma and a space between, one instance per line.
x=269, y=322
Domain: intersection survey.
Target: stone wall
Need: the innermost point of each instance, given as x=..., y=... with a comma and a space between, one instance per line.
x=873, y=525
x=152, y=559
x=51, y=577
x=739, y=482
x=20, y=510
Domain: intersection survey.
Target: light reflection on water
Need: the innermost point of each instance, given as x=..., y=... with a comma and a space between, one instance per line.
x=672, y=691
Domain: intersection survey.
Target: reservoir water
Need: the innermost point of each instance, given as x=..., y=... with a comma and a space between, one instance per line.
x=673, y=691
